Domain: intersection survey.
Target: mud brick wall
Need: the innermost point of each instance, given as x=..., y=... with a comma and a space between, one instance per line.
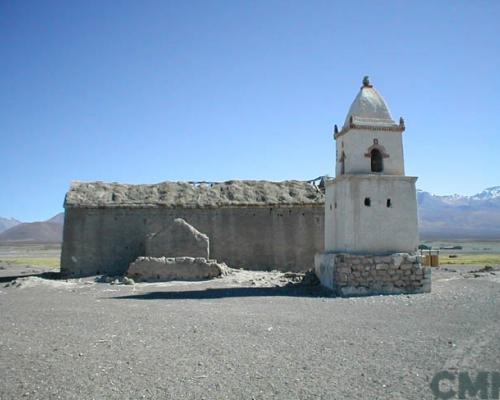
x=106, y=240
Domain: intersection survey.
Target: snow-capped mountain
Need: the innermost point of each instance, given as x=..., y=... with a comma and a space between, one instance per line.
x=457, y=216
x=491, y=193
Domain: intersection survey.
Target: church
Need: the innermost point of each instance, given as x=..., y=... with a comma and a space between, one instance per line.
x=358, y=231
x=371, y=226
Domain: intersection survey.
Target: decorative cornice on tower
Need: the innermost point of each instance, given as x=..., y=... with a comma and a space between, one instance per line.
x=394, y=128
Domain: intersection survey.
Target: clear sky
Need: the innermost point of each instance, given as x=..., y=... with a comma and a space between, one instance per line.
x=147, y=91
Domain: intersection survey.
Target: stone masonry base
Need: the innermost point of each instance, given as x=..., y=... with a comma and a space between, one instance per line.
x=364, y=275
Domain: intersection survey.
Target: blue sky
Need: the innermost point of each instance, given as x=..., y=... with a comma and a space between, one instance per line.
x=147, y=91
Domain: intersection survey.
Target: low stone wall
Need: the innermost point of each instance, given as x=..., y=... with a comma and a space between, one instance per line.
x=163, y=269
x=361, y=275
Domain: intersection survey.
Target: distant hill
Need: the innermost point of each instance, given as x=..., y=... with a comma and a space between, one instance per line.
x=6, y=223
x=460, y=217
x=49, y=231
x=57, y=219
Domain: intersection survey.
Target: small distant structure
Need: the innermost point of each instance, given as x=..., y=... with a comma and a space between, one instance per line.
x=371, y=227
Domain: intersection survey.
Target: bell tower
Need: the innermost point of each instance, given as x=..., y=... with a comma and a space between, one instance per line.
x=371, y=205
x=369, y=141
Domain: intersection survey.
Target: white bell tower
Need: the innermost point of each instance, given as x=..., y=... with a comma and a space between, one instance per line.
x=370, y=128
x=371, y=205
x=371, y=232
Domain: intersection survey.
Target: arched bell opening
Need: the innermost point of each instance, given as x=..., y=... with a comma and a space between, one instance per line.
x=377, y=161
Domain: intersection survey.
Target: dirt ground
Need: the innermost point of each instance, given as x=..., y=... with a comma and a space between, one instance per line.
x=248, y=335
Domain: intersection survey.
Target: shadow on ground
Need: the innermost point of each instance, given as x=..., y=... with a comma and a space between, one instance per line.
x=294, y=290
x=43, y=275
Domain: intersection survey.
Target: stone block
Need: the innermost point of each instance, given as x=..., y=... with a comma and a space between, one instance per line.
x=413, y=258
x=382, y=259
x=162, y=269
x=397, y=259
x=176, y=240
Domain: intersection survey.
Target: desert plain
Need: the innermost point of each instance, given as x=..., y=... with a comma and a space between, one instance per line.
x=247, y=335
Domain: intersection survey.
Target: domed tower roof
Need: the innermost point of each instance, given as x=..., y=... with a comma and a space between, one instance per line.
x=369, y=108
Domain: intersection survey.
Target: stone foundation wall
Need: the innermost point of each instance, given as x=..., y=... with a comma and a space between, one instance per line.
x=358, y=275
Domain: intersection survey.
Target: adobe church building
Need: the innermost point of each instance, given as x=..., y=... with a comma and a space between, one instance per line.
x=363, y=232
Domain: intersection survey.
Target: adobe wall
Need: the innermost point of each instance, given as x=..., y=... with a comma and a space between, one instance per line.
x=107, y=240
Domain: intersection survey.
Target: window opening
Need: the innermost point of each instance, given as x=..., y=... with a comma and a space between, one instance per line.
x=342, y=164
x=377, y=162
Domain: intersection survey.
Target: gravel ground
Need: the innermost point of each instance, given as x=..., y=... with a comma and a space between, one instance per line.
x=248, y=335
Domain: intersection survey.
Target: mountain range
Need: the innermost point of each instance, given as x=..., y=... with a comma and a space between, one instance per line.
x=460, y=217
x=49, y=231
x=440, y=217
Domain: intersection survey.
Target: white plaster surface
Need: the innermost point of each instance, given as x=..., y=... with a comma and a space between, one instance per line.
x=353, y=227
x=355, y=144
x=369, y=108
x=324, y=265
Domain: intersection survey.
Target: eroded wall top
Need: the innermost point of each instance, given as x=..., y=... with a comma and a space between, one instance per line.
x=193, y=195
